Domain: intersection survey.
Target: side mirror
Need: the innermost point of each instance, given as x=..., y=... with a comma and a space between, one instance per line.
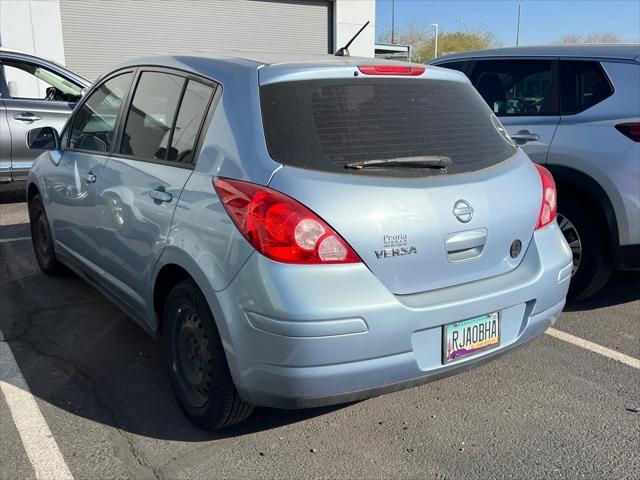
x=43, y=138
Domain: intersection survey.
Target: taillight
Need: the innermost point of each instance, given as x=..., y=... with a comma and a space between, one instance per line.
x=279, y=227
x=549, y=206
x=631, y=130
x=411, y=71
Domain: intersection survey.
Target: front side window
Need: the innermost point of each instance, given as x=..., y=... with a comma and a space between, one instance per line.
x=151, y=115
x=516, y=87
x=582, y=85
x=94, y=124
x=30, y=81
x=192, y=111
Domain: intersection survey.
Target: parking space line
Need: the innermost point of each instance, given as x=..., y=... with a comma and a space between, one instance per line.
x=18, y=239
x=38, y=442
x=594, y=347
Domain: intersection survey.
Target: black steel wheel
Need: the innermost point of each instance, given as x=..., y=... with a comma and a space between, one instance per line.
x=198, y=368
x=41, y=238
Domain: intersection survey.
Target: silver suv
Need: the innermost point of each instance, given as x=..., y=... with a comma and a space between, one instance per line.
x=300, y=230
x=576, y=110
x=33, y=92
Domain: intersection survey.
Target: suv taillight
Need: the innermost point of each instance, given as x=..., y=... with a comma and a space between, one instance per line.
x=631, y=130
x=549, y=206
x=279, y=227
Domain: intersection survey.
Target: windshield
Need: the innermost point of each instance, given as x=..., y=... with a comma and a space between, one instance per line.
x=62, y=84
x=326, y=124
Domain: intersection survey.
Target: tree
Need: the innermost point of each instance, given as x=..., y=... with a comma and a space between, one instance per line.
x=421, y=39
x=414, y=34
x=606, y=37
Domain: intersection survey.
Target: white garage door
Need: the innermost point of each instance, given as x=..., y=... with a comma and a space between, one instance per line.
x=100, y=34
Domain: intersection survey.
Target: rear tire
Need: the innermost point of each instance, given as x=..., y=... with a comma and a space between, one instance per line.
x=198, y=368
x=42, y=240
x=594, y=266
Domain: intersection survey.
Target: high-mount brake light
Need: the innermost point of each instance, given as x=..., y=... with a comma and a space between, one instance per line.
x=410, y=71
x=280, y=227
x=549, y=206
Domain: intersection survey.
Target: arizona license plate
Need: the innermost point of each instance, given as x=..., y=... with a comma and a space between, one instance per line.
x=472, y=336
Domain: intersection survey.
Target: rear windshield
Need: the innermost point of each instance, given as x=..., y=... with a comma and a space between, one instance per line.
x=325, y=124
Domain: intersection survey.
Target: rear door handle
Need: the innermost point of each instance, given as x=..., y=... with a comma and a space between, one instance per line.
x=26, y=117
x=160, y=195
x=523, y=136
x=89, y=177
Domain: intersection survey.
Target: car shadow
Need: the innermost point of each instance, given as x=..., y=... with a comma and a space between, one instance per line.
x=624, y=287
x=13, y=192
x=82, y=355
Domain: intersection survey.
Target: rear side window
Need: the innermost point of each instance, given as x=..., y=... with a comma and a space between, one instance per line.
x=325, y=124
x=151, y=114
x=94, y=123
x=192, y=111
x=582, y=85
x=517, y=87
x=459, y=66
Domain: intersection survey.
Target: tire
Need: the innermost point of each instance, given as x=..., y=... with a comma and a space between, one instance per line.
x=197, y=365
x=42, y=240
x=587, y=238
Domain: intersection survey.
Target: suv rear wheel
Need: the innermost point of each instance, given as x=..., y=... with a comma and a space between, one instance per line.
x=198, y=368
x=592, y=265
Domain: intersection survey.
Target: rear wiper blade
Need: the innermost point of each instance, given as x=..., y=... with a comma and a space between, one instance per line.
x=424, y=161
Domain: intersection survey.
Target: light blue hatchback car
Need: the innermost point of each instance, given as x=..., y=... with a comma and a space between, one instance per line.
x=301, y=231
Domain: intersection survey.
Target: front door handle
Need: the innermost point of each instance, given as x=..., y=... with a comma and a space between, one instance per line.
x=89, y=177
x=523, y=136
x=26, y=117
x=160, y=195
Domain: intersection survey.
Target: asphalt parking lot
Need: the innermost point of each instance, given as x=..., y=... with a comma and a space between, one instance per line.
x=552, y=409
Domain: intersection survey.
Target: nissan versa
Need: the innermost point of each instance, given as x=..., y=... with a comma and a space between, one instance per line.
x=301, y=231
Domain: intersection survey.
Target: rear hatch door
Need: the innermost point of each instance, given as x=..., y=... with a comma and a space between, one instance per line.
x=416, y=228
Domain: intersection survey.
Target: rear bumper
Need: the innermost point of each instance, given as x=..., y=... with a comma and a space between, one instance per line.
x=299, y=337
x=402, y=368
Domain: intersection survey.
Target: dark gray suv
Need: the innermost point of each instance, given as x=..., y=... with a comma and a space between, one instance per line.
x=34, y=92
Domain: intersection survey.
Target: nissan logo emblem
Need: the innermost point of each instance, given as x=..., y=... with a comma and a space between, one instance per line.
x=463, y=211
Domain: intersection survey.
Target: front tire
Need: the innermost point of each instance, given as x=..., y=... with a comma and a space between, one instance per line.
x=41, y=239
x=592, y=265
x=198, y=368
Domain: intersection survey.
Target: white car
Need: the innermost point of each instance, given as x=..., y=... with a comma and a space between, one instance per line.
x=575, y=109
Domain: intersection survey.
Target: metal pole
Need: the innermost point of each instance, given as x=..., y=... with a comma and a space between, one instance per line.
x=518, y=29
x=435, y=49
x=393, y=22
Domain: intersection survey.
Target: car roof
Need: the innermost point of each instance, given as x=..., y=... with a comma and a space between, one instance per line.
x=275, y=58
x=628, y=52
x=257, y=59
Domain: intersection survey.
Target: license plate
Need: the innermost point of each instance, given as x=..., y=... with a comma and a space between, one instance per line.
x=469, y=337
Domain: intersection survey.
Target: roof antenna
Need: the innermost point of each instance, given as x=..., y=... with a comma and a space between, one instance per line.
x=344, y=51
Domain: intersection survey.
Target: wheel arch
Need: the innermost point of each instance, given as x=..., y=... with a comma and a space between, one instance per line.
x=32, y=191
x=174, y=266
x=579, y=182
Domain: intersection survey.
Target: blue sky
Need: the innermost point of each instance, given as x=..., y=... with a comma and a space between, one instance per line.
x=541, y=21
